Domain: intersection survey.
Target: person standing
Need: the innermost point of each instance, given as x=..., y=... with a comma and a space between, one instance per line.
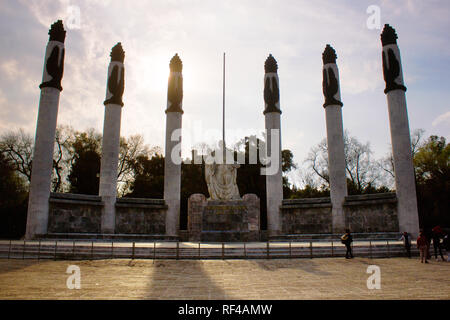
x=407, y=243
x=347, y=239
x=446, y=244
x=437, y=233
x=428, y=234
x=422, y=245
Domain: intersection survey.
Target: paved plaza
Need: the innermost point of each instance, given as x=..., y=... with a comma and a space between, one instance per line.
x=325, y=278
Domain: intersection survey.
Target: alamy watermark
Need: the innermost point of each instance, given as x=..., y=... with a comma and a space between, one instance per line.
x=73, y=18
x=374, y=20
x=267, y=150
x=74, y=280
x=374, y=281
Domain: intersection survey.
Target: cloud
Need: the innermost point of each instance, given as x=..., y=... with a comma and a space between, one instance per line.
x=442, y=119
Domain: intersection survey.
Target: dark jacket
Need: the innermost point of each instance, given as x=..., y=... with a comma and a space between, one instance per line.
x=349, y=239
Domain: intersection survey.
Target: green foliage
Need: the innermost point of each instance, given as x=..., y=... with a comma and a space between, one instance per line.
x=148, y=177
x=309, y=192
x=432, y=162
x=13, y=201
x=84, y=177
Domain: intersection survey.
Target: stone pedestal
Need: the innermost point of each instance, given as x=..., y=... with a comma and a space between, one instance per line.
x=223, y=220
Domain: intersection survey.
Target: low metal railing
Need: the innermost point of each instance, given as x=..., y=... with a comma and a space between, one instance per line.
x=88, y=250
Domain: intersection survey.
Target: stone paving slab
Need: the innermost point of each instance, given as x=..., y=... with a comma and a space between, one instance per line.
x=325, y=278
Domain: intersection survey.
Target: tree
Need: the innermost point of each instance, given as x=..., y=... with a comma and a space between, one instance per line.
x=62, y=156
x=131, y=149
x=13, y=200
x=84, y=177
x=363, y=172
x=432, y=164
x=308, y=191
x=17, y=147
x=387, y=163
x=148, y=177
x=287, y=164
x=317, y=161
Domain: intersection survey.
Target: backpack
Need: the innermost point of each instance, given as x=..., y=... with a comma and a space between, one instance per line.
x=344, y=238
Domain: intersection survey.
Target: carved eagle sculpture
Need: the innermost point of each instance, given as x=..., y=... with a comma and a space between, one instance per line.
x=330, y=87
x=116, y=86
x=175, y=94
x=271, y=94
x=55, y=69
x=391, y=71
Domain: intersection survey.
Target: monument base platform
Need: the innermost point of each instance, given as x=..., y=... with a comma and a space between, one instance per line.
x=223, y=220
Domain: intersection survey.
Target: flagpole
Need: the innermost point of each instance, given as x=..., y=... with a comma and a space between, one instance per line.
x=223, y=109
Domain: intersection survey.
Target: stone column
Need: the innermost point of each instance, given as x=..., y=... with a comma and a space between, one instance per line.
x=172, y=162
x=41, y=174
x=272, y=112
x=335, y=138
x=111, y=136
x=405, y=185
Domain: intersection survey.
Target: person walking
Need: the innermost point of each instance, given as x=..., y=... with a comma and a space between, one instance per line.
x=428, y=234
x=407, y=243
x=347, y=239
x=437, y=234
x=422, y=245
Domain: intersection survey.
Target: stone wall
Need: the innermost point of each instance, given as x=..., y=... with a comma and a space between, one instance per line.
x=77, y=213
x=140, y=216
x=371, y=213
x=306, y=216
x=363, y=213
x=74, y=213
x=222, y=221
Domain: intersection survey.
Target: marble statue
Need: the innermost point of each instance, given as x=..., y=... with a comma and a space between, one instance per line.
x=221, y=181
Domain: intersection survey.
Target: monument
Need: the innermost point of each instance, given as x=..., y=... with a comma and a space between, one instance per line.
x=222, y=215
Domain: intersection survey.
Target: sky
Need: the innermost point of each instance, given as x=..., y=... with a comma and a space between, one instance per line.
x=295, y=32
